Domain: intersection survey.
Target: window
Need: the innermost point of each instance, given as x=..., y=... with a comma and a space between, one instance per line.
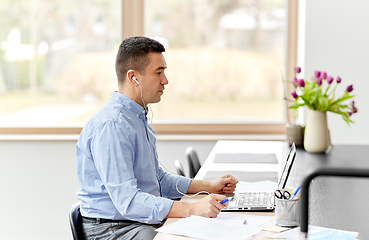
x=225, y=59
x=56, y=60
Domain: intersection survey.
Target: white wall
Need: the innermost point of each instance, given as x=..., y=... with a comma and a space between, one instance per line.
x=334, y=37
x=38, y=185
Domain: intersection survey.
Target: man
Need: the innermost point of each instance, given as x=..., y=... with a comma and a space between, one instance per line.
x=124, y=193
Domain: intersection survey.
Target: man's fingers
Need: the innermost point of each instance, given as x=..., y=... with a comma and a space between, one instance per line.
x=229, y=179
x=216, y=203
x=230, y=185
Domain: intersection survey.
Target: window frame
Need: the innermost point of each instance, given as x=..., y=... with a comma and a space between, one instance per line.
x=133, y=24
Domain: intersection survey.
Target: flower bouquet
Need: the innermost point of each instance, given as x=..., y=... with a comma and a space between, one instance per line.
x=319, y=95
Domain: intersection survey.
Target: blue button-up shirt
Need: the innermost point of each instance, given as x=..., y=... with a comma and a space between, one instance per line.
x=117, y=166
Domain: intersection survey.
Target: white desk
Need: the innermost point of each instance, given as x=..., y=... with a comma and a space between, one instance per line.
x=243, y=147
x=329, y=206
x=237, y=147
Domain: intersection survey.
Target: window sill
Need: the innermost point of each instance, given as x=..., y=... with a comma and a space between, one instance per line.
x=181, y=128
x=165, y=132
x=39, y=137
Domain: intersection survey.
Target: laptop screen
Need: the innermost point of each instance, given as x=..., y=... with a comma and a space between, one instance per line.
x=287, y=167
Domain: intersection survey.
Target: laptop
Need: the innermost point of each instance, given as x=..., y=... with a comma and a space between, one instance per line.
x=260, y=201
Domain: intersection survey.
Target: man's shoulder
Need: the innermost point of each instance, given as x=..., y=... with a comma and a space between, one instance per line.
x=108, y=113
x=111, y=114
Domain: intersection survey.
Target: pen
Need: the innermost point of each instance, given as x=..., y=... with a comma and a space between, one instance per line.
x=294, y=194
x=224, y=201
x=297, y=194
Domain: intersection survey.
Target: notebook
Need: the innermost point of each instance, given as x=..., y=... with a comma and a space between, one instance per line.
x=260, y=201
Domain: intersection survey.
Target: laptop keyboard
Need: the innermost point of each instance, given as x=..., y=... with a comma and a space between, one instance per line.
x=250, y=201
x=253, y=199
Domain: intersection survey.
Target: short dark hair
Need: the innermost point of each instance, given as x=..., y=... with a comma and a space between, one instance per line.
x=132, y=54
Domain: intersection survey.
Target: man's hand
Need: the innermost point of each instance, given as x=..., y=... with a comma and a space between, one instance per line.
x=209, y=206
x=225, y=184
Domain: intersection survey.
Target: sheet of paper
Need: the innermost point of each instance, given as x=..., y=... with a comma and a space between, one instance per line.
x=225, y=226
x=272, y=227
x=316, y=233
x=249, y=219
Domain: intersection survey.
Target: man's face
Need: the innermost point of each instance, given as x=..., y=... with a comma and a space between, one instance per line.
x=154, y=80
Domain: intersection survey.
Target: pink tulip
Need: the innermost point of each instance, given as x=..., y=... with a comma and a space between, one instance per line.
x=319, y=81
x=301, y=83
x=349, y=88
x=294, y=95
x=324, y=75
x=317, y=74
x=329, y=79
x=338, y=79
x=294, y=80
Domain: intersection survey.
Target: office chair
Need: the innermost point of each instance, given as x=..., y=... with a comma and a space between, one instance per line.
x=193, y=161
x=179, y=167
x=337, y=172
x=75, y=220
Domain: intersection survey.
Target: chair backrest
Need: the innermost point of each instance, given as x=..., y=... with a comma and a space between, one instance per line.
x=75, y=220
x=193, y=161
x=324, y=171
x=179, y=168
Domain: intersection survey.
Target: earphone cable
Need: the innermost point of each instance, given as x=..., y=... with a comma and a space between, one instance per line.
x=155, y=150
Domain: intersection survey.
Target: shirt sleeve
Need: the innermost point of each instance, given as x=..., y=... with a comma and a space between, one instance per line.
x=113, y=153
x=173, y=186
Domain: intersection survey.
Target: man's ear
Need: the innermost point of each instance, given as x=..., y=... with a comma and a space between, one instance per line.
x=130, y=75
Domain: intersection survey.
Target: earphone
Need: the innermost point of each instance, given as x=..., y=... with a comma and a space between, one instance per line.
x=134, y=79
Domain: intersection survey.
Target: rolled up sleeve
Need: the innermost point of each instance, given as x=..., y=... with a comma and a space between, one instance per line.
x=173, y=186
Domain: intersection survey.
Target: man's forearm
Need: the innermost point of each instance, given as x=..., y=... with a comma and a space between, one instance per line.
x=179, y=210
x=183, y=209
x=199, y=185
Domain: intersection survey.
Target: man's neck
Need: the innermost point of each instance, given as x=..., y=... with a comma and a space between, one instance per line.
x=132, y=94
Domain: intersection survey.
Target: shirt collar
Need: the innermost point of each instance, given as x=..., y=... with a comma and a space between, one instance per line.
x=129, y=104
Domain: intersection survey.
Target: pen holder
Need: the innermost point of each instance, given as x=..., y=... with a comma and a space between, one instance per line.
x=287, y=212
